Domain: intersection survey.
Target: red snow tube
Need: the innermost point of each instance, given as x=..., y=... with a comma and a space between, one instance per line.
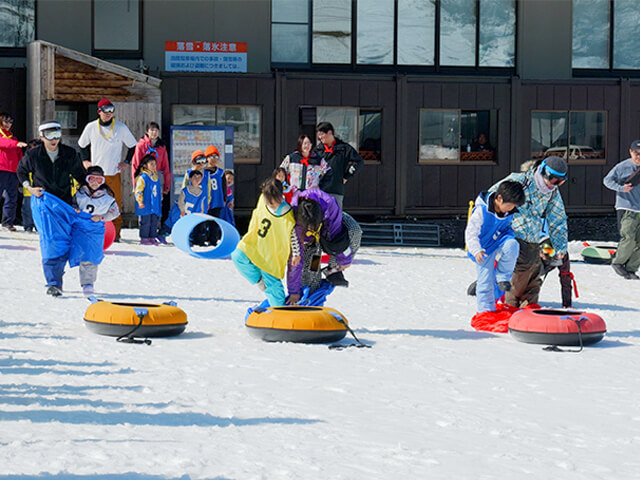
x=557, y=327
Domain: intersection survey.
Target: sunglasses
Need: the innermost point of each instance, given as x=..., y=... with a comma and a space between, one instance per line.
x=109, y=109
x=8, y=119
x=52, y=134
x=99, y=179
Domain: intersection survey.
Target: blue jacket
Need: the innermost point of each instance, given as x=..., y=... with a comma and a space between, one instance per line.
x=151, y=196
x=63, y=230
x=486, y=227
x=215, y=189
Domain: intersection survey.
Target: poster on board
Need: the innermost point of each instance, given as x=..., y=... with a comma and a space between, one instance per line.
x=188, y=138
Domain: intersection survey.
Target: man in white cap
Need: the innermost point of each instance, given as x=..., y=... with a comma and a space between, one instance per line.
x=623, y=179
x=105, y=137
x=50, y=168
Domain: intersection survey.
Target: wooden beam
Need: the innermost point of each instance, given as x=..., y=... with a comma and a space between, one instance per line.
x=105, y=92
x=109, y=83
x=72, y=97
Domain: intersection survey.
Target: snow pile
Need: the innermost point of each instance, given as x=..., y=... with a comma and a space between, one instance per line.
x=432, y=398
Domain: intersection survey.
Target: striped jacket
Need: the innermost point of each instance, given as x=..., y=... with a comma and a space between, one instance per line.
x=527, y=222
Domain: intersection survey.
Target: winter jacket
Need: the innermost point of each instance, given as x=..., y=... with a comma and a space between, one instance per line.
x=55, y=177
x=344, y=161
x=486, y=229
x=305, y=173
x=97, y=202
x=10, y=154
x=527, y=222
x=616, y=179
x=143, y=147
x=331, y=218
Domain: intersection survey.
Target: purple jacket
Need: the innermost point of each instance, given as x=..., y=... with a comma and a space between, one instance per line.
x=331, y=226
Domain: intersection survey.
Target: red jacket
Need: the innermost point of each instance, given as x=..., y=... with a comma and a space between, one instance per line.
x=10, y=154
x=142, y=148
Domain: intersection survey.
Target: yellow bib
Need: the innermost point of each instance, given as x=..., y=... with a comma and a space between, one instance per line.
x=267, y=243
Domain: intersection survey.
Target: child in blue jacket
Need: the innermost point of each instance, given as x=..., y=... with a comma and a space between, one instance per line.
x=491, y=242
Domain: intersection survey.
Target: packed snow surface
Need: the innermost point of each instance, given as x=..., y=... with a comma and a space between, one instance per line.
x=432, y=398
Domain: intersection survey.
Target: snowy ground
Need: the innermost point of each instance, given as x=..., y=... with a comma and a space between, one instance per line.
x=432, y=399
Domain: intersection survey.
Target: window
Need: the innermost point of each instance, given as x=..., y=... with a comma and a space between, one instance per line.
x=375, y=32
x=457, y=135
x=289, y=31
x=117, y=28
x=361, y=128
x=575, y=136
x=17, y=18
x=246, y=121
x=449, y=33
x=416, y=32
x=331, y=31
x=601, y=35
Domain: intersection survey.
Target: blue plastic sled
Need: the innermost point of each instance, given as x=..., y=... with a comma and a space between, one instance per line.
x=182, y=230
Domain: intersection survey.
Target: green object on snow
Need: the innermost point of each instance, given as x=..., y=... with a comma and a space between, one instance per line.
x=598, y=255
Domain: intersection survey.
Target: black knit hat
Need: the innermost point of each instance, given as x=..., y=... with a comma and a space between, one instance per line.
x=554, y=167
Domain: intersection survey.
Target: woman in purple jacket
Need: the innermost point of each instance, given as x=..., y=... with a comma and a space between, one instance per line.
x=322, y=226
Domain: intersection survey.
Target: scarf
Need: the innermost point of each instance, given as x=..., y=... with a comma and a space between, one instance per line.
x=542, y=186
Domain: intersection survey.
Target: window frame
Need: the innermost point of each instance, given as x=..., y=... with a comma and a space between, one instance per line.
x=236, y=159
x=584, y=161
x=358, y=109
x=22, y=51
x=354, y=66
x=113, y=53
x=610, y=71
x=459, y=161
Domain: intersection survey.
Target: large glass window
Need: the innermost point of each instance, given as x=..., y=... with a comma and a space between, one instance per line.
x=590, y=34
x=457, y=32
x=416, y=32
x=602, y=43
x=469, y=33
x=458, y=135
x=361, y=128
x=289, y=31
x=17, y=18
x=116, y=26
x=575, y=136
x=375, y=31
x=331, y=31
x=497, y=33
x=626, y=44
x=246, y=121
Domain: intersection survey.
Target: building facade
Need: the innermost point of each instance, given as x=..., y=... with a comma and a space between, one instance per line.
x=411, y=84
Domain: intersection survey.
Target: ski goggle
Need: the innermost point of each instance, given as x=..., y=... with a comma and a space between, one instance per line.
x=8, y=119
x=107, y=109
x=200, y=160
x=52, y=134
x=548, y=250
x=554, y=177
x=99, y=179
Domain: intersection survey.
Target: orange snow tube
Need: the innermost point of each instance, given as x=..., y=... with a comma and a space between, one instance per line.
x=121, y=319
x=557, y=327
x=297, y=324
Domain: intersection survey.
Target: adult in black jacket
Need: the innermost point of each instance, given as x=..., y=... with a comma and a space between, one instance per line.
x=343, y=159
x=50, y=168
x=51, y=165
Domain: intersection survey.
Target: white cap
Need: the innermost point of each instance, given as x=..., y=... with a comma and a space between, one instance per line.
x=49, y=125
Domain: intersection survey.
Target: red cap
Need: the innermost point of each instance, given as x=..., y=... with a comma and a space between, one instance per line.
x=211, y=150
x=105, y=102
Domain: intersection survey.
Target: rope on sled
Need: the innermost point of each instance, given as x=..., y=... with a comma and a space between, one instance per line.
x=128, y=337
x=556, y=348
